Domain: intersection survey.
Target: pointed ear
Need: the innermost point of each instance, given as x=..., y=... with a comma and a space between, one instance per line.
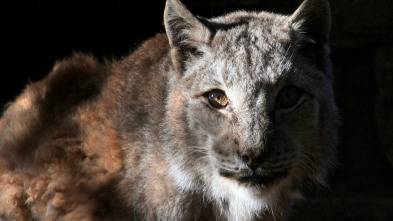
x=314, y=19
x=187, y=35
x=311, y=25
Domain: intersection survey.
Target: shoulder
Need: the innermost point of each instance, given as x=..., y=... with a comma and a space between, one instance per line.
x=48, y=102
x=54, y=142
x=149, y=52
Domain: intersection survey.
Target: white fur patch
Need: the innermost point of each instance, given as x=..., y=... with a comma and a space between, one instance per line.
x=244, y=203
x=186, y=181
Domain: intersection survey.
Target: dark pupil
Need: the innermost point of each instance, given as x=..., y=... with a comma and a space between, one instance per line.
x=217, y=99
x=289, y=97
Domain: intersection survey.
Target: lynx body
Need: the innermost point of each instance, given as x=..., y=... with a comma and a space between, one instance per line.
x=218, y=119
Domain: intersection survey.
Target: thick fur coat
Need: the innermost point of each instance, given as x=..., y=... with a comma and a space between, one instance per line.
x=218, y=119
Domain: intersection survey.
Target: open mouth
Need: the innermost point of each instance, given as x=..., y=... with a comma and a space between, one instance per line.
x=254, y=178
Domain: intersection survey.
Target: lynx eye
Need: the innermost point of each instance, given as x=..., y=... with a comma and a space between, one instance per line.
x=289, y=96
x=217, y=98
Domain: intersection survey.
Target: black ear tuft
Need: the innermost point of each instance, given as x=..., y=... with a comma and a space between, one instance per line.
x=187, y=35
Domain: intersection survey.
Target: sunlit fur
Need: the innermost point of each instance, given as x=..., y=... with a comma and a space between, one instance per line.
x=137, y=139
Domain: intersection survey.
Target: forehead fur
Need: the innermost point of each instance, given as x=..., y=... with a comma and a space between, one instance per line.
x=263, y=28
x=252, y=45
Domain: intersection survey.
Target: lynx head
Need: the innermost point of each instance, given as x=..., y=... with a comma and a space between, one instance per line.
x=251, y=102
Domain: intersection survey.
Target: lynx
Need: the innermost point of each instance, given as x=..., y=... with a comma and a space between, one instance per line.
x=225, y=118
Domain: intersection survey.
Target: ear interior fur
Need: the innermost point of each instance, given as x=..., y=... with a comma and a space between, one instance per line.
x=187, y=35
x=313, y=16
x=311, y=22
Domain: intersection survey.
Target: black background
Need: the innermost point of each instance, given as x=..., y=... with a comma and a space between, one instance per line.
x=34, y=34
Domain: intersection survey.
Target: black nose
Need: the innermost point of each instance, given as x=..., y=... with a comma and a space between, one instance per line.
x=252, y=157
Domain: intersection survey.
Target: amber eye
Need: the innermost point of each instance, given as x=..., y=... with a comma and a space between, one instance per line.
x=217, y=98
x=289, y=96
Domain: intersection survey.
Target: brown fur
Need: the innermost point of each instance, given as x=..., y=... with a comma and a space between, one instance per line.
x=139, y=139
x=59, y=149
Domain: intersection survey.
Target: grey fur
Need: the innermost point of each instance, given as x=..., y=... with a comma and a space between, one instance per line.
x=183, y=159
x=251, y=57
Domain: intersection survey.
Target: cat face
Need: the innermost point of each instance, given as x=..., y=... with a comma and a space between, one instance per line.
x=255, y=92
